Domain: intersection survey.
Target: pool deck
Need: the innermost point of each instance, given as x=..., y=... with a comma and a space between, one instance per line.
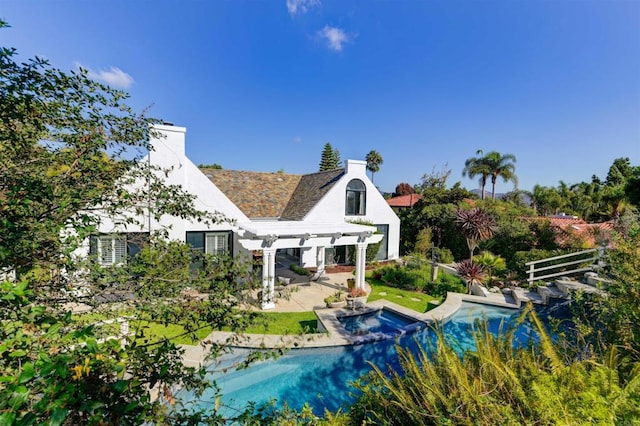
x=311, y=298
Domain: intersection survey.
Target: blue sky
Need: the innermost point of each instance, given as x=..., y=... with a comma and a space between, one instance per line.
x=263, y=85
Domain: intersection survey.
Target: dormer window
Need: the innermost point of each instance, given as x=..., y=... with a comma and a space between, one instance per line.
x=356, y=198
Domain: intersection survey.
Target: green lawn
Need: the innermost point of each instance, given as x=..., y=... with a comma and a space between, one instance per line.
x=286, y=323
x=419, y=302
x=274, y=323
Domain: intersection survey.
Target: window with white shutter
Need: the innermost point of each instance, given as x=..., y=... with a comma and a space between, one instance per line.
x=113, y=249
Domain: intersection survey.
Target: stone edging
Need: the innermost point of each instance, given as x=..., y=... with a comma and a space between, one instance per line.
x=332, y=333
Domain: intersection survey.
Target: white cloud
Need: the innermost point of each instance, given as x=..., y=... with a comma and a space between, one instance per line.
x=114, y=76
x=335, y=37
x=300, y=7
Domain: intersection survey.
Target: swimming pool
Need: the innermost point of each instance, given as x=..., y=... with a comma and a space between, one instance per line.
x=321, y=376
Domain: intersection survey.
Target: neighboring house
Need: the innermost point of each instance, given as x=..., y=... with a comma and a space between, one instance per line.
x=311, y=216
x=403, y=202
x=571, y=230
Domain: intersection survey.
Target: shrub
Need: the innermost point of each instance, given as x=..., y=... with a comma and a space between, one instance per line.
x=443, y=255
x=398, y=277
x=445, y=283
x=338, y=296
x=299, y=270
x=522, y=386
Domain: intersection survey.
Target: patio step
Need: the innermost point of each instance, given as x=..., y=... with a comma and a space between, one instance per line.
x=521, y=295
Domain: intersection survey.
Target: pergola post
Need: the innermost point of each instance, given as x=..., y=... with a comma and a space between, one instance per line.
x=268, y=277
x=361, y=261
x=320, y=259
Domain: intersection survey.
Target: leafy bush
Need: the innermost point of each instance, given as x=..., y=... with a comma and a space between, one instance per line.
x=443, y=255
x=418, y=279
x=299, y=270
x=438, y=386
x=399, y=277
x=445, y=283
x=338, y=296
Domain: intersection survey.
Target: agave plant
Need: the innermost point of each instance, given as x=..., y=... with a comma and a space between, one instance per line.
x=472, y=273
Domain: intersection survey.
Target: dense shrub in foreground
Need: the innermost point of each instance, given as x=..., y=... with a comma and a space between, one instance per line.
x=499, y=384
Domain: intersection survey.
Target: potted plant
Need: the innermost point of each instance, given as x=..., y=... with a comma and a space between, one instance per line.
x=356, y=298
x=351, y=283
x=336, y=300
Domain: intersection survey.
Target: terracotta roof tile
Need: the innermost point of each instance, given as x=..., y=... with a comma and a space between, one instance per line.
x=404, y=200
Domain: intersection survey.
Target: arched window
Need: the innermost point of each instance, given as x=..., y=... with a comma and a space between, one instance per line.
x=356, y=198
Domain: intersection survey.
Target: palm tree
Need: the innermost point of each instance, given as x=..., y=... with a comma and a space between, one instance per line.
x=475, y=166
x=500, y=166
x=374, y=160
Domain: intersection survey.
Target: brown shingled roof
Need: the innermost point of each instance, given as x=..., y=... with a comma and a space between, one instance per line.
x=310, y=190
x=258, y=195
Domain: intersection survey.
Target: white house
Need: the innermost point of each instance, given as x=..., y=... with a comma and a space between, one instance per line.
x=311, y=216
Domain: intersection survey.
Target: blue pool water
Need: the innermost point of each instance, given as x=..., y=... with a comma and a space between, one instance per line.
x=321, y=376
x=381, y=321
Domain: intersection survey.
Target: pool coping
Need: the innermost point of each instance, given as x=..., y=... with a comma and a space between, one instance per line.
x=333, y=333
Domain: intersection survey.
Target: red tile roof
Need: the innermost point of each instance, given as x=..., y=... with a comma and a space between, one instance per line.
x=569, y=228
x=404, y=200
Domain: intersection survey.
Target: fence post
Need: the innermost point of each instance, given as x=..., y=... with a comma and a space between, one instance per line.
x=531, y=273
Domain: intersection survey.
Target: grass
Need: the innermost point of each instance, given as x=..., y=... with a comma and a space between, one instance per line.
x=286, y=323
x=419, y=302
x=274, y=323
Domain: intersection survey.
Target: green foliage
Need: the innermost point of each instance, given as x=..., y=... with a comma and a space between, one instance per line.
x=210, y=166
x=330, y=158
x=614, y=319
x=423, y=241
x=523, y=257
x=443, y=255
x=419, y=302
x=374, y=160
x=498, y=383
x=299, y=270
x=338, y=296
x=416, y=276
x=67, y=145
x=435, y=211
x=494, y=265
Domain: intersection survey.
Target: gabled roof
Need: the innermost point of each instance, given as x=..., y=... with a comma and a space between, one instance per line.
x=273, y=195
x=310, y=190
x=404, y=200
x=257, y=194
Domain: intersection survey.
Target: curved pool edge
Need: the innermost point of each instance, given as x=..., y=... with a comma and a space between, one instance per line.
x=335, y=334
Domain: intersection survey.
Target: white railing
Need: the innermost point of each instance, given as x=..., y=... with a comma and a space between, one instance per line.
x=591, y=257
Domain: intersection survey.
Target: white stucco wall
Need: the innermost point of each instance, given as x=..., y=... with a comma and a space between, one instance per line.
x=332, y=207
x=169, y=153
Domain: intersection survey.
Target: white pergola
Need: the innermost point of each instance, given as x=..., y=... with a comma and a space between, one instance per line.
x=268, y=236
